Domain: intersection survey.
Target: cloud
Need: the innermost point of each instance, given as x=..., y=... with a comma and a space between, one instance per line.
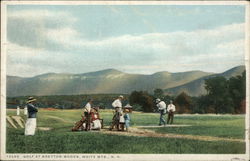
x=50, y=19
x=33, y=28
x=26, y=61
x=168, y=45
x=48, y=42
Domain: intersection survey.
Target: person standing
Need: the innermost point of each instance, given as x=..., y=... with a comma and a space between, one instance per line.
x=162, y=109
x=171, y=110
x=127, y=119
x=117, y=104
x=30, y=125
x=18, y=111
x=87, y=114
x=25, y=110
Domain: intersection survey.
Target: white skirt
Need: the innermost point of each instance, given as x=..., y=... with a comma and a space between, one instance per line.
x=30, y=126
x=97, y=124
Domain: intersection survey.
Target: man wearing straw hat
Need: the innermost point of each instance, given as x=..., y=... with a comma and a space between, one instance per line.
x=30, y=126
x=117, y=104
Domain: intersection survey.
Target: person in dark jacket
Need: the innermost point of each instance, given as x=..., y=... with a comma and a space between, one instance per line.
x=30, y=126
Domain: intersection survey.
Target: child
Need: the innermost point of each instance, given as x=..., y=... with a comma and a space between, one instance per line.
x=127, y=119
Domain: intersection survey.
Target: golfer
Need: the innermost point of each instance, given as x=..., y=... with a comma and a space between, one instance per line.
x=162, y=109
x=87, y=114
x=171, y=110
x=117, y=104
x=30, y=125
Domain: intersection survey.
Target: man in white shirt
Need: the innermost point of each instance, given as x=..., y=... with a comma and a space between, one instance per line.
x=162, y=109
x=171, y=110
x=87, y=110
x=117, y=104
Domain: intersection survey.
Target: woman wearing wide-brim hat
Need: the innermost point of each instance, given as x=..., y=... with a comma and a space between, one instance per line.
x=30, y=126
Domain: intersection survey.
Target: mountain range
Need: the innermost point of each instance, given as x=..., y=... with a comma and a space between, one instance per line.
x=112, y=81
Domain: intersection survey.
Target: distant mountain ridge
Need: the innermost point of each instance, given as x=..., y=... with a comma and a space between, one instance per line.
x=196, y=87
x=108, y=81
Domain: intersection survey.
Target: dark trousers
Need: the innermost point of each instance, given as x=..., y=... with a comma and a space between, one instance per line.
x=87, y=120
x=170, y=117
x=115, y=121
x=162, y=120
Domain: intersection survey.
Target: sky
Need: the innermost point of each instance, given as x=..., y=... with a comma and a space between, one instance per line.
x=141, y=39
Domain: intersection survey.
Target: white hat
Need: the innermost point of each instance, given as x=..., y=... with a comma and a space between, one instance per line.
x=158, y=100
x=128, y=106
x=121, y=96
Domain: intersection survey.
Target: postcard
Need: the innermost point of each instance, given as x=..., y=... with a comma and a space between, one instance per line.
x=125, y=80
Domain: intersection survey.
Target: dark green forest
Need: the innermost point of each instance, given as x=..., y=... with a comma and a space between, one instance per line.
x=223, y=96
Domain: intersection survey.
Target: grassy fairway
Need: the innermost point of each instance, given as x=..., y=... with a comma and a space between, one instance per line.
x=61, y=140
x=226, y=126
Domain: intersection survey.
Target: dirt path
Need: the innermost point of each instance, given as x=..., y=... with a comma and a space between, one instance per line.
x=149, y=133
x=153, y=126
x=44, y=128
x=58, y=118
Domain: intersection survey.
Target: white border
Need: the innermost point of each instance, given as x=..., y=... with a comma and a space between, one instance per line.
x=77, y=2
x=145, y=157
x=247, y=64
x=3, y=81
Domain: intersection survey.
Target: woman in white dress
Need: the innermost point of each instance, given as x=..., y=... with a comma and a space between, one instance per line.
x=96, y=123
x=30, y=126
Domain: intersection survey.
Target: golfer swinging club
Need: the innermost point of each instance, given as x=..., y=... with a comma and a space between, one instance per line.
x=162, y=109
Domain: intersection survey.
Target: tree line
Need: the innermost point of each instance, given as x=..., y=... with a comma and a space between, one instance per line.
x=66, y=101
x=223, y=96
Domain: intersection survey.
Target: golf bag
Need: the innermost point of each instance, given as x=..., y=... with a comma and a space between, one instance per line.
x=78, y=125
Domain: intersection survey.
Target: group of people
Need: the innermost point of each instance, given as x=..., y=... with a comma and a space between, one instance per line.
x=121, y=116
x=163, y=109
x=91, y=118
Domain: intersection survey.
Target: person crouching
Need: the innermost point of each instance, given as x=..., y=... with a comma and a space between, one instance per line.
x=30, y=125
x=96, y=120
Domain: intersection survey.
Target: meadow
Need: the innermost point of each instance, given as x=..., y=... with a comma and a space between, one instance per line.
x=60, y=139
